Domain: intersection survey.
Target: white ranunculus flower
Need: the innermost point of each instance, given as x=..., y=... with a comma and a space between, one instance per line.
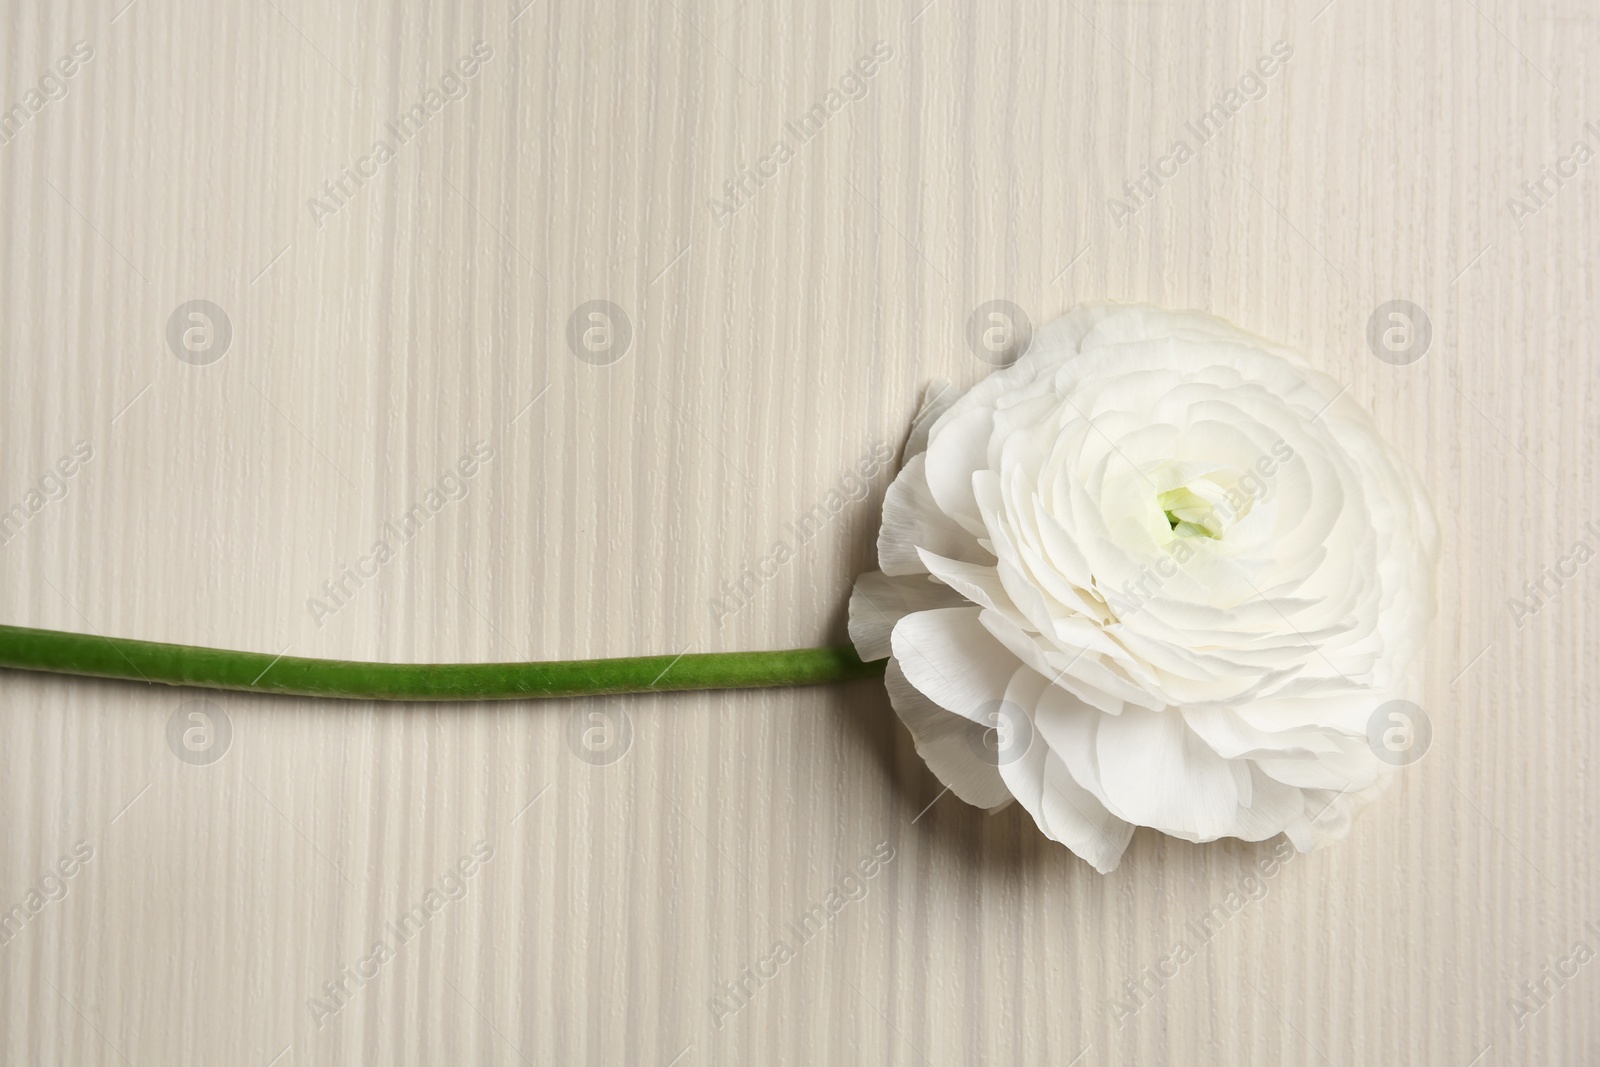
x=1154, y=573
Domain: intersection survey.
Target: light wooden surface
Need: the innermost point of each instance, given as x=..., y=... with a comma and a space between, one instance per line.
x=773, y=347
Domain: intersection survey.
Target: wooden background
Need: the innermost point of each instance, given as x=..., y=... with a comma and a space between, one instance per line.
x=646, y=852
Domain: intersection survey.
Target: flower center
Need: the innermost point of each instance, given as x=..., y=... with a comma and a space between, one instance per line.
x=1201, y=508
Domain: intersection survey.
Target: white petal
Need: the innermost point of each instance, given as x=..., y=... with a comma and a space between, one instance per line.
x=878, y=601
x=1272, y=810
x=958, y=450
x=977, y=583
x=1352, y=769
x=952, y=746
x=1231, y=737
x=912, y=521
x=1063, y=809
x=948, y=655
x=1155, y=771
x=1094, y=678
x=936, y=400
x=1329, y=814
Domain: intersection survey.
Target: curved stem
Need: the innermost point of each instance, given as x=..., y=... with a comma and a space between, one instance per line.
x=25, y=648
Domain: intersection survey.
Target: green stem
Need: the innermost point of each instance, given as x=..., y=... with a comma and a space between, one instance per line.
x=25, y=648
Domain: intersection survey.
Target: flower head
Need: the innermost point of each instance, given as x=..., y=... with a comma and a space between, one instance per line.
x=1154, y=573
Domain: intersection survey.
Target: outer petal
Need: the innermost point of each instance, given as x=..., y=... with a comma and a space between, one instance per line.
x=1062, y=808
x=878, y=601
x=1152, y=770
x=936, y=400
x=952, y=746
x=948, y=655
x=912, y=521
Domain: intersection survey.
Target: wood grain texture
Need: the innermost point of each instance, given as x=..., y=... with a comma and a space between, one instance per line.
x=773, y=347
